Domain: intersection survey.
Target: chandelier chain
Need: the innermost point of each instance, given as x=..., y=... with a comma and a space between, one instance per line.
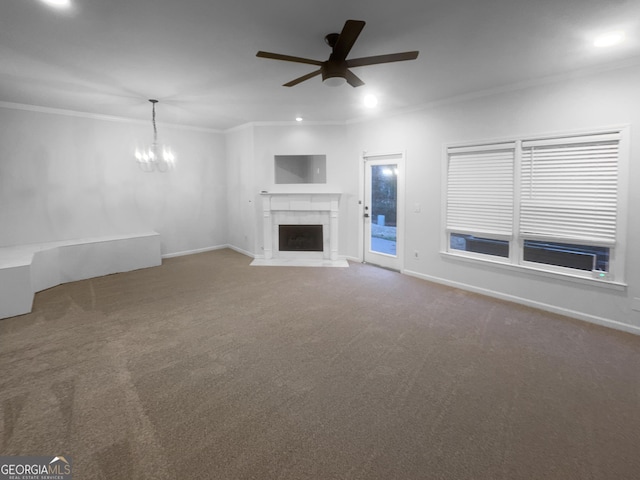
x=153, y=119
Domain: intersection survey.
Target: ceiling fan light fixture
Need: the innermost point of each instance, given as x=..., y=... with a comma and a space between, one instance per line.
x=336, y=70
x=334, y=81
x=333, y=74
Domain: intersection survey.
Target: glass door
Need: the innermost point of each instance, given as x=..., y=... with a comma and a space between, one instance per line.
x=381, y=211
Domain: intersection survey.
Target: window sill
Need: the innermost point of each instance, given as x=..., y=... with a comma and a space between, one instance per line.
x=613, y=285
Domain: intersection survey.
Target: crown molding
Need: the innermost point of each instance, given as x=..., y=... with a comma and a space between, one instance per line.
x=96, y=116
x=284, y=123
x=368, y=117
x=507, y=88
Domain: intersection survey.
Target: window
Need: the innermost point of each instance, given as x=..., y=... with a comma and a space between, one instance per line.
x=471, y=243
x=480, y=199
x=550, y=204
x=581, y=257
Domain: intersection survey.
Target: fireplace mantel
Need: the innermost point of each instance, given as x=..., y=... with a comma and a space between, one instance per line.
x=300, y=208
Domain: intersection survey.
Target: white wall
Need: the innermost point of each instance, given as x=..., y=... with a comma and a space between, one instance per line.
x=251, y=150
x=241, y=188
x=68, y=176
x=63, y=177
x=587, y=102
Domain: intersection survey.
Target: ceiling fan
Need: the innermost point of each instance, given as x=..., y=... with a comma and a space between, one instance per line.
x=335, y=70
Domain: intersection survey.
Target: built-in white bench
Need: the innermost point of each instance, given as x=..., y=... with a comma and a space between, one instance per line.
x=27, y=269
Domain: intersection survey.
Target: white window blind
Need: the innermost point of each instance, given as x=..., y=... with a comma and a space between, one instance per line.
x=569, y=189
x=480, y=185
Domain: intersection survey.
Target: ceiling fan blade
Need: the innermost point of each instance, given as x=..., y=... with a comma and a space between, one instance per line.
x=347, y=38
x=352, y=79
x=303, y=78
x=288, y=58
x=392, y=57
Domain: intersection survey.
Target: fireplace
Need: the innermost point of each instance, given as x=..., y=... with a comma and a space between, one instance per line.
x=300, y=238
x=300, y=229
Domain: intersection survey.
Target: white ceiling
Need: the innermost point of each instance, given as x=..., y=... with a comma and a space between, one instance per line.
x=198, y=56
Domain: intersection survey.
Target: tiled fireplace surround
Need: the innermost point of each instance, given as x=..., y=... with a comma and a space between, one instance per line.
x=300, y=209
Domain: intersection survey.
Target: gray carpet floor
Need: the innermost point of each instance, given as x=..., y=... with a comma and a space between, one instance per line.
x=208, y=368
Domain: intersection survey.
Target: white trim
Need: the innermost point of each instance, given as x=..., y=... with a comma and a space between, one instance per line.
x=444, y=192
x=605, y=322
x=479, y=94
x=489, y=147
x=237, y=128
x=289, y=123
x=400, y=207
x=502, y=89
x=98, y=116
x=527, y=137
x=244, y=252
x=549, y=273
x=516, y=248
x=361, y=202
x=384, y=153
x=193, y=252
x=283, y=123
x=476, y=232
x=569, y=240
x=617, y=267
x=550, y=141
x=479, y=257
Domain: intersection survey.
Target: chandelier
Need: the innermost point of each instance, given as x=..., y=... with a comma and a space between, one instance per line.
x=155, y=157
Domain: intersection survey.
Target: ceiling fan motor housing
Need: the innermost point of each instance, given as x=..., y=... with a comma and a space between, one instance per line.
x=331, y=39
x=333, y=70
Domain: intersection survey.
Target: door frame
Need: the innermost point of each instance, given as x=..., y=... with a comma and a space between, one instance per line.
x=400, y=214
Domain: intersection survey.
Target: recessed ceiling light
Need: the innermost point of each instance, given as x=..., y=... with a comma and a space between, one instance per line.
x=370, y=100
x=298, y=119
x=608, y=39
x=57, y=3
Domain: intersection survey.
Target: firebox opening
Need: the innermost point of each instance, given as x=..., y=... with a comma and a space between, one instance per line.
x=300, y=238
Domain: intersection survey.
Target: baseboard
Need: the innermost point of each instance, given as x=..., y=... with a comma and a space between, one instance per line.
x=261, y=257
x=240, y=250
x=605, y=322
x=193, y=252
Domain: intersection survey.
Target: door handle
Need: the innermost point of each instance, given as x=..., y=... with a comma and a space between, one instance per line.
x=366, y=215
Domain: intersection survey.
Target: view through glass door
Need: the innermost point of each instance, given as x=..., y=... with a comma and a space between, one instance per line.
x=382, y=224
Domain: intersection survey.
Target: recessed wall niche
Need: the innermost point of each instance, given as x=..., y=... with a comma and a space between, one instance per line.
x=300, y=169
